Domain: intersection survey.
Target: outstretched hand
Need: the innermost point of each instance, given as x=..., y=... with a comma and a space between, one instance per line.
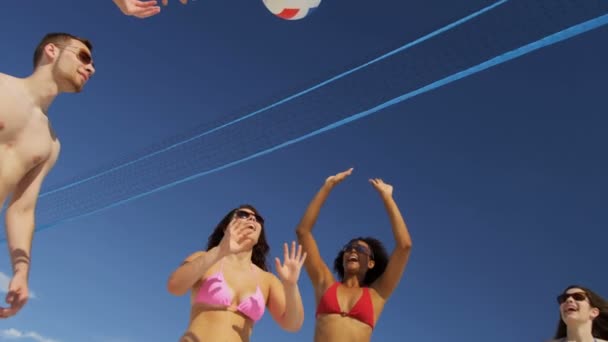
x=141, y=8
x=16, y=297
x=289, y=272
x=137, y=8
x=337, y=178
x=382, y=188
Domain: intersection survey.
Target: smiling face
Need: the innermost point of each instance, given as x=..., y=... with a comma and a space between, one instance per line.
x=358, y=258
x=575, y=307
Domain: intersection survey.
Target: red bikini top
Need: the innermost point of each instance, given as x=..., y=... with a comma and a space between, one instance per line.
x=363, y=310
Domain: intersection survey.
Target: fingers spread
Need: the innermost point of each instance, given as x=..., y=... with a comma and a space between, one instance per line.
x=293, y=250
x=285, y=251
x=303, y=259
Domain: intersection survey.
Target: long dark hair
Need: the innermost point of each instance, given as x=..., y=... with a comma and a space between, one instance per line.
x=380, y=260
x=600, y=323
x=260, y=250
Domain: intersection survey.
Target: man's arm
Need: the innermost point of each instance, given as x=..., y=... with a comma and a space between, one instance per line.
x=20, y=221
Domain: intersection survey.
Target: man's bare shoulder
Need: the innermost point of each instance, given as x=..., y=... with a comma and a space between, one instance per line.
x=8, y=79
x=9, y=83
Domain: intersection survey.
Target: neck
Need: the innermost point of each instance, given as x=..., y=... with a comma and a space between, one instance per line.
x=242, y=257
x=580, y=333
x=42, y=87
x=352, y=281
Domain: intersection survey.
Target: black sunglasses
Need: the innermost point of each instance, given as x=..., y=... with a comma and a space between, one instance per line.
x=242, y=214
x=577, y=296
x=358, y=248
x=83, y=56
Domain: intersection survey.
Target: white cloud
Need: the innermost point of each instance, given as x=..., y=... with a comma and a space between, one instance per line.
x=5, y=280
x=14, y=334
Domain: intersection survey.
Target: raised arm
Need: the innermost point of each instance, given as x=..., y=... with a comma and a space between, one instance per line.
x=284, y=299
x=317, y=270
x=388, y=281
x=197, y=264
x=20, y=224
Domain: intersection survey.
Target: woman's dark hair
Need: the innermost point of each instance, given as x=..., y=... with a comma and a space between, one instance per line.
x=600, y=323
x=380, y=257
x=260, y=250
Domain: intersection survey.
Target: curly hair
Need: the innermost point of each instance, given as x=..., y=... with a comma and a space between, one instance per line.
x=380, y=257
x=600, y=323
x=261, y=248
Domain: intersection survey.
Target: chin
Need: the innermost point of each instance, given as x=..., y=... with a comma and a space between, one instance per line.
x=73, y=88
x=571, y=319
x=351, y=269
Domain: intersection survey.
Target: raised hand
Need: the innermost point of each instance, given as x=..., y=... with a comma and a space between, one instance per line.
x=289, y=272
x=236, y=238
x=382, y=188
x=16, y=297
x=337, y=178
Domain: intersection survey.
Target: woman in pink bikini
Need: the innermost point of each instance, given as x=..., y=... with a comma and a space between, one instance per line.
x=583, y=316
x=230, y=283
x=348, y=308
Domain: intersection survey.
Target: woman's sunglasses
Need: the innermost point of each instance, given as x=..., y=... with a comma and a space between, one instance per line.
x=577, y=296
x=358, y=248
x=242, y=214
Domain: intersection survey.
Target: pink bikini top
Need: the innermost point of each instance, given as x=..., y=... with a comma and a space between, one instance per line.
x=215, y=291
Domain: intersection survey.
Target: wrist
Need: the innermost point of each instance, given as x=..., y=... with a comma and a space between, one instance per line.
x=289, y=285
x=328, y=186
x=218, y=252
x=386, y=196
x=20, y=272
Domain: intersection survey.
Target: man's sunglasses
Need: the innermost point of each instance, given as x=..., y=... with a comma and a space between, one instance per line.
x=577, y=296
x=358, y=248
x=83, y=56
x=242, y=214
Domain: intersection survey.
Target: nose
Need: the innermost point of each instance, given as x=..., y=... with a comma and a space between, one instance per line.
x=90, y=68
x=251, y=217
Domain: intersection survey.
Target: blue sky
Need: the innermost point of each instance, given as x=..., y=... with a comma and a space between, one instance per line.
x=500, y=175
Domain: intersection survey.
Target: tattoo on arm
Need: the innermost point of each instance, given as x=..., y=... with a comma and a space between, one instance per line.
x=19, y=256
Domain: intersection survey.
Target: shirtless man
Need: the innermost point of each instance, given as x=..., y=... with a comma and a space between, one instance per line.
x=29, y=147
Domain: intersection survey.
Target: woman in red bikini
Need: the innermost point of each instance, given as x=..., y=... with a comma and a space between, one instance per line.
x=347, y=309
x=230, y=283
x=583, y=316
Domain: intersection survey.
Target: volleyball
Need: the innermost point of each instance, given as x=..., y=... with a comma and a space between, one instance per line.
x=291, y=9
